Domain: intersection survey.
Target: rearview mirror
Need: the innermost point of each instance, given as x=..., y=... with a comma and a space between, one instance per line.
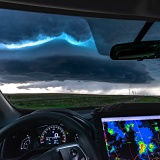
x=136, y=51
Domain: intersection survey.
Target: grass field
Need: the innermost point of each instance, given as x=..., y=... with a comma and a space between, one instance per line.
x=41, y=101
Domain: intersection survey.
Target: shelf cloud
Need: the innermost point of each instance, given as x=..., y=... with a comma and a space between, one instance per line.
x=60, y=51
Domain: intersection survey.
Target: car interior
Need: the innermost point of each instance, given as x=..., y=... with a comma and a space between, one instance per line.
x=123, y=32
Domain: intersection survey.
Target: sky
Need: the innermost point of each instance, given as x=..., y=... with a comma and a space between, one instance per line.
x=46, y=53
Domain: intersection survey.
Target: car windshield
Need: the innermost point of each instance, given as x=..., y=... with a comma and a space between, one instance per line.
x=50, y=60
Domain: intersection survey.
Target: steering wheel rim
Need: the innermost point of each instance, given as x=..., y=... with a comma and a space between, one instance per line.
x=85, y=142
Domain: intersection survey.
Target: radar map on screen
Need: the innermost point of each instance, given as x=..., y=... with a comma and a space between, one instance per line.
x=134, y=138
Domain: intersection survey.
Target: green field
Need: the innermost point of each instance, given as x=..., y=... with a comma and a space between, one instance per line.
x=41, y=101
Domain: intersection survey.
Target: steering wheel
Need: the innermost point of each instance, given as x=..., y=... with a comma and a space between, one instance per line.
x=82, y=149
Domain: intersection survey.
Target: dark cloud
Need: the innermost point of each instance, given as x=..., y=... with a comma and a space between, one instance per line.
x=73, y=68
x=16, y=26
x=60, y=60
x=54, y=47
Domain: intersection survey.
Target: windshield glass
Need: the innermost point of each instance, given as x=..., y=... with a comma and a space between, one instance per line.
x=46, y=54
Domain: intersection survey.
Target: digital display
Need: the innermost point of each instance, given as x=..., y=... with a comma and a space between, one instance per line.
x=132, y=138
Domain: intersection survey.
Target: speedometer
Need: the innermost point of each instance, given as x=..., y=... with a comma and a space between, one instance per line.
x=53, y=135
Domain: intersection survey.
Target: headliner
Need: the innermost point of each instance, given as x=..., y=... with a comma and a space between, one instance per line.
x=133, y=9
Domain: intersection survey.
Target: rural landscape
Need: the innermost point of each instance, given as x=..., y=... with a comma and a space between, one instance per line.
x=55, y=100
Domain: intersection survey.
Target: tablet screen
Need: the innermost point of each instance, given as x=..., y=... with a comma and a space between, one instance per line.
x=132, y=137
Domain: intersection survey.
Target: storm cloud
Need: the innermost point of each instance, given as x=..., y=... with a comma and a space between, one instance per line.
x=18, y=26
x=59, y=60
x=73, y=68
x=54, y=47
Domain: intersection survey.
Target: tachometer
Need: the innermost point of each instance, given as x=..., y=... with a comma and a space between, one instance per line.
x=53, y=135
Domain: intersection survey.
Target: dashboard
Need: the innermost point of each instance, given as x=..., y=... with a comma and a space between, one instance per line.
x=37, y=139
x=131, y=134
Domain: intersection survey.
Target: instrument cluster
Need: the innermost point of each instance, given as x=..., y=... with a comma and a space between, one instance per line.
x=37, y=139
x=54, y=135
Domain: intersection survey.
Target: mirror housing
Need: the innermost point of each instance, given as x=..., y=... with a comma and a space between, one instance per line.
x=136, y=50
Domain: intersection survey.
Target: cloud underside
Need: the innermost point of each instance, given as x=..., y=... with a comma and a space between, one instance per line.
x=18, y=26
x=73, y=68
